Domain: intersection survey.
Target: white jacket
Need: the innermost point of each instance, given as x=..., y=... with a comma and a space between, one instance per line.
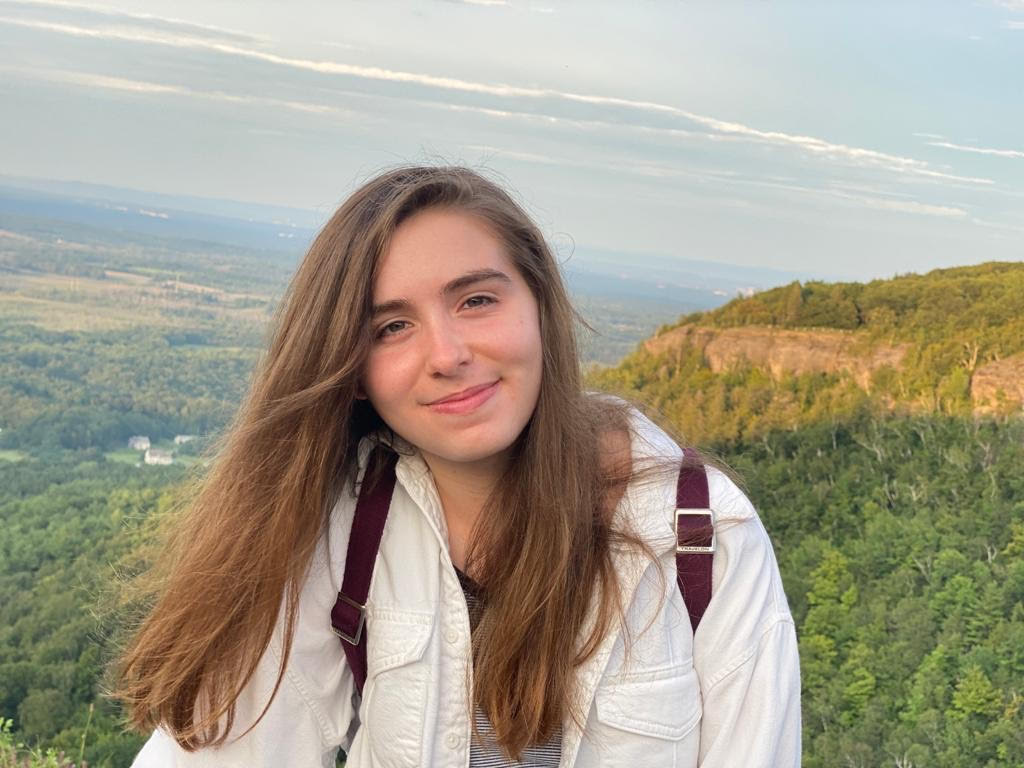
x=728, y=697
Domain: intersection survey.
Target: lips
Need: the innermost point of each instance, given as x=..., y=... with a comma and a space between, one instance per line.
x=466, y=393
x=465, y=400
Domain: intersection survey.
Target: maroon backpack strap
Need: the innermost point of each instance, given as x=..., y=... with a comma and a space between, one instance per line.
x=348, y=617
x=695, y=537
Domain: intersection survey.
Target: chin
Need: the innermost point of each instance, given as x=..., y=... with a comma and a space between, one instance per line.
x=469, y=448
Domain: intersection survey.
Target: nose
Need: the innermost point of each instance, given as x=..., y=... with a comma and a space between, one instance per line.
x=447, y=350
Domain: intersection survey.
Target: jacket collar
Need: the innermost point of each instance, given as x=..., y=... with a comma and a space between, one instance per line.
x=413, y=476
x=646, y=508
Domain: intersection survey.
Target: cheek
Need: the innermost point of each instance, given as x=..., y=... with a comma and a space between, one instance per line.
x=514, y=342
x=532, y=333
x=382, y=379
x=530, y=350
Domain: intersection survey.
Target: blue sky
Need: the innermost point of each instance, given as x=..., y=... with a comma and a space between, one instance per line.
x=857, y=139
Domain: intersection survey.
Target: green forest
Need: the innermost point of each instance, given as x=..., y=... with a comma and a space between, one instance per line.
x=71, y=528
x=900, y=543
x=897, y=511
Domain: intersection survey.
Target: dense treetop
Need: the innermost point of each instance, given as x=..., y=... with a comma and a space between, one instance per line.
x=900, y=543
x=987, y=298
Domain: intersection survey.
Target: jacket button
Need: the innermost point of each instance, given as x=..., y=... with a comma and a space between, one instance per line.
x=451, y=636
x=452, y=740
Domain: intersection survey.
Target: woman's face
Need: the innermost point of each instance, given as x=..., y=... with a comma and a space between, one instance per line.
x=455, y=364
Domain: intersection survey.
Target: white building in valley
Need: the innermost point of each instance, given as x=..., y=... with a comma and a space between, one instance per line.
x=157, y=456
x=138, y=443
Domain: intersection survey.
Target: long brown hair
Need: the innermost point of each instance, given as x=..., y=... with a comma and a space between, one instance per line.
x=541, y=550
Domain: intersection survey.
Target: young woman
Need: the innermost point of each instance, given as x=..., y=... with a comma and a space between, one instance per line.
x=523, y=608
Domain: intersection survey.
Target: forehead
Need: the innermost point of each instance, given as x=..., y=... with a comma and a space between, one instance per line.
x=433, y=246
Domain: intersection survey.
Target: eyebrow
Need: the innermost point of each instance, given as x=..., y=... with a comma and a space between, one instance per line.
x=452, y=286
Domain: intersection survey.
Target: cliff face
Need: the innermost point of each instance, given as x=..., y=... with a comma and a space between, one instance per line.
x=998, y=383
x=994, y=386
x=780, y=350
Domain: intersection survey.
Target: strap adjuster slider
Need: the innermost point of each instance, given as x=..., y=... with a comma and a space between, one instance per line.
x=354, y=638
x=708, y=549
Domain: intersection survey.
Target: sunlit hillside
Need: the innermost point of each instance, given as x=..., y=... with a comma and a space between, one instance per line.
x=948, y=342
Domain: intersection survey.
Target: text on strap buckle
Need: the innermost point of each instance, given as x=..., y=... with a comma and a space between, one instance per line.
x=707, y=549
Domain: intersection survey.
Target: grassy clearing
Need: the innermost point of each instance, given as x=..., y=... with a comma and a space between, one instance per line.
x=124, y=457
x=64, y=315
x=11, y=455
x=128, y=456
x=123, y=301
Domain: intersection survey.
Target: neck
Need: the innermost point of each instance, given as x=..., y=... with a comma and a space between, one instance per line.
x=463, y=488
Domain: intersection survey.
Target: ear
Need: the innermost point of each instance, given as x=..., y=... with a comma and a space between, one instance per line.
x=360, y=392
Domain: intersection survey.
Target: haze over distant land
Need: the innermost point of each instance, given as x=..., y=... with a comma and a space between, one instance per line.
x=827, y=139
x=689, y=283
x=92, y=238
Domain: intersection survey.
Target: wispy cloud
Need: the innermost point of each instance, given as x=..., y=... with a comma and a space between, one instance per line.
x=857, y=155
x=912, y=206
x=570, y=123
x=103, y=82
x=1008, y=24
x=148, y=19
x=1015, y=153
x=1010, y=5
x=866, y=197
x=592, y=124
x=810, y=145
x=343, y=46
x=850, y=194
x=618, y=167
x=928, y=135
x=115, y=83
x=997, y=225
x=325, y=67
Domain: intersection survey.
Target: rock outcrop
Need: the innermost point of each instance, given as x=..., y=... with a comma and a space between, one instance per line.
x=998, y=385
x=780, y=350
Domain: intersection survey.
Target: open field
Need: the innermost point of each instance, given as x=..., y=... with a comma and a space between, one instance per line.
x=134, y=458
x=120, y=301
x=124, y=457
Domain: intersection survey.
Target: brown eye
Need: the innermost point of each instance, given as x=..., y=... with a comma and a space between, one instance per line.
x=478, y=301
x=391, y=328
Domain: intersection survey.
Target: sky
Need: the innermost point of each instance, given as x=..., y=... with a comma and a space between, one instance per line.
x=855, y=139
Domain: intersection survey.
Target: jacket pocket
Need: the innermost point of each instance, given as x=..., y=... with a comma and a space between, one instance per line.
x=649, y=718
x=396, y=690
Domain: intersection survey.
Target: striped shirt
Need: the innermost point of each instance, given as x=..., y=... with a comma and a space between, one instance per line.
x=483, y=751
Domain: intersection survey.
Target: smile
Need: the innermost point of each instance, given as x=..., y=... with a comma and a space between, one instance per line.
x=465, y=401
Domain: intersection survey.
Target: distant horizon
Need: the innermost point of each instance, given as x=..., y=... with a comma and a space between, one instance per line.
x=315, y=219
x=222, y=208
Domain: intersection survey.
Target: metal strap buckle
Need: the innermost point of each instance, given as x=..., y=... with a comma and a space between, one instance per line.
x=705, y=550
x=351, y=639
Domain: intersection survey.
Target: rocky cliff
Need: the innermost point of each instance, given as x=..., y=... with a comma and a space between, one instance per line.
x=998, y=384
x=779, y=350
x=994, y=386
